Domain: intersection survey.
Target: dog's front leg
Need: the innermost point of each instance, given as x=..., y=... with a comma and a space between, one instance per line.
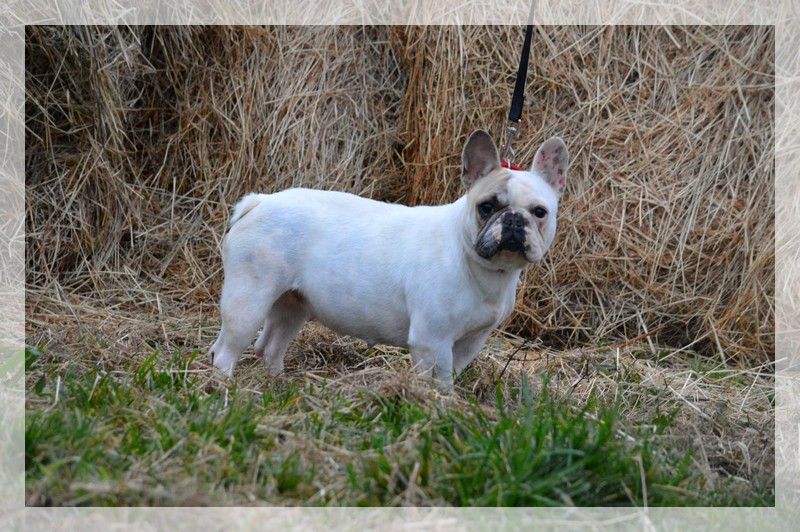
x=467, y=348
x=432, y=356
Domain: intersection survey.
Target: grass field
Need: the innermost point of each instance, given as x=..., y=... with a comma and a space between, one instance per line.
x=356, y=427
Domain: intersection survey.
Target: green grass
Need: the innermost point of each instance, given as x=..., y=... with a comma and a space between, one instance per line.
x=160, y=433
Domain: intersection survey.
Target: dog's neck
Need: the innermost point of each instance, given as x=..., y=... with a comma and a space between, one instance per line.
x=491, y=281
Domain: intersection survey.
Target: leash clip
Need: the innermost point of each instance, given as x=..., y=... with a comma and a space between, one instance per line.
x=508, y=151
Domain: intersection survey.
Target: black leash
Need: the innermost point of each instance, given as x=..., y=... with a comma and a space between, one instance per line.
x=518, y=98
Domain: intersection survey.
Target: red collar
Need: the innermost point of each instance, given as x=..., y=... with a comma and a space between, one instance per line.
x=512, y=166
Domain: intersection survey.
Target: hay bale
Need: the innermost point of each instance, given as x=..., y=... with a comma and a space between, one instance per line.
x=140, y=139
x=667, y=224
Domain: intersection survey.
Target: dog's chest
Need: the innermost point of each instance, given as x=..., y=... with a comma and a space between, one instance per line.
x=490, y=312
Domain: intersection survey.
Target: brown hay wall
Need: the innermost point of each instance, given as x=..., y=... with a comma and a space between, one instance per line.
x=140, y=140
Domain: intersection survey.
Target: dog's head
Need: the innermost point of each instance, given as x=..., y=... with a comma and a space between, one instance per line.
x=512, y=213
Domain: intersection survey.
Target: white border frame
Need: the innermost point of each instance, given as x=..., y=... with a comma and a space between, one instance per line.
x=784, y=14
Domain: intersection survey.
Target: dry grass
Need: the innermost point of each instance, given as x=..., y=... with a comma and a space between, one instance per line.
x=140, y=139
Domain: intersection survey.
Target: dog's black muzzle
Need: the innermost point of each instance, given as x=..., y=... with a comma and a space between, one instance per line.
x=513, y=236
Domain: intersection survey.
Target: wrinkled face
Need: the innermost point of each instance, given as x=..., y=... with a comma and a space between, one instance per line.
x=512, y=213
x=514, y=216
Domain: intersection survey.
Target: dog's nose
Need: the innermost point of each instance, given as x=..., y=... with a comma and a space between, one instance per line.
x=513, y=238
x=514, y=220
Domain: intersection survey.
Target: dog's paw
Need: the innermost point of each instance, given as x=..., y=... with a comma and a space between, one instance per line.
x=223, y=364
x=224, y=372
x=274, y=368
x=443, y=387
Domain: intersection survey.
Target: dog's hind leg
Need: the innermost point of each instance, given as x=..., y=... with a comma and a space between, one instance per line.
x=285, y=319
x=244, y=306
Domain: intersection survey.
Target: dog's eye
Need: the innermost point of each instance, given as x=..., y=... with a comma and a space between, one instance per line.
x=485, y=209
x=539, y=212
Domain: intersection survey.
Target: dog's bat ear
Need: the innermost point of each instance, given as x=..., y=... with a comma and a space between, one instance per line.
x=551, y=162
x=479, y=157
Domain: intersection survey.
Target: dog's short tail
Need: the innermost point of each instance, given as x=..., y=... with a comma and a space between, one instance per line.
x=245, y=205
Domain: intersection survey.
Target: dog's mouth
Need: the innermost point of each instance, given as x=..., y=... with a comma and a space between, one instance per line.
x=496, y=238
x=488, y=248
x=488, y=251
x=509, y=244
x=512, y=240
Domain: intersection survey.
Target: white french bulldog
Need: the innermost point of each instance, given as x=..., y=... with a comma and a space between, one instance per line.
x=436, y=280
